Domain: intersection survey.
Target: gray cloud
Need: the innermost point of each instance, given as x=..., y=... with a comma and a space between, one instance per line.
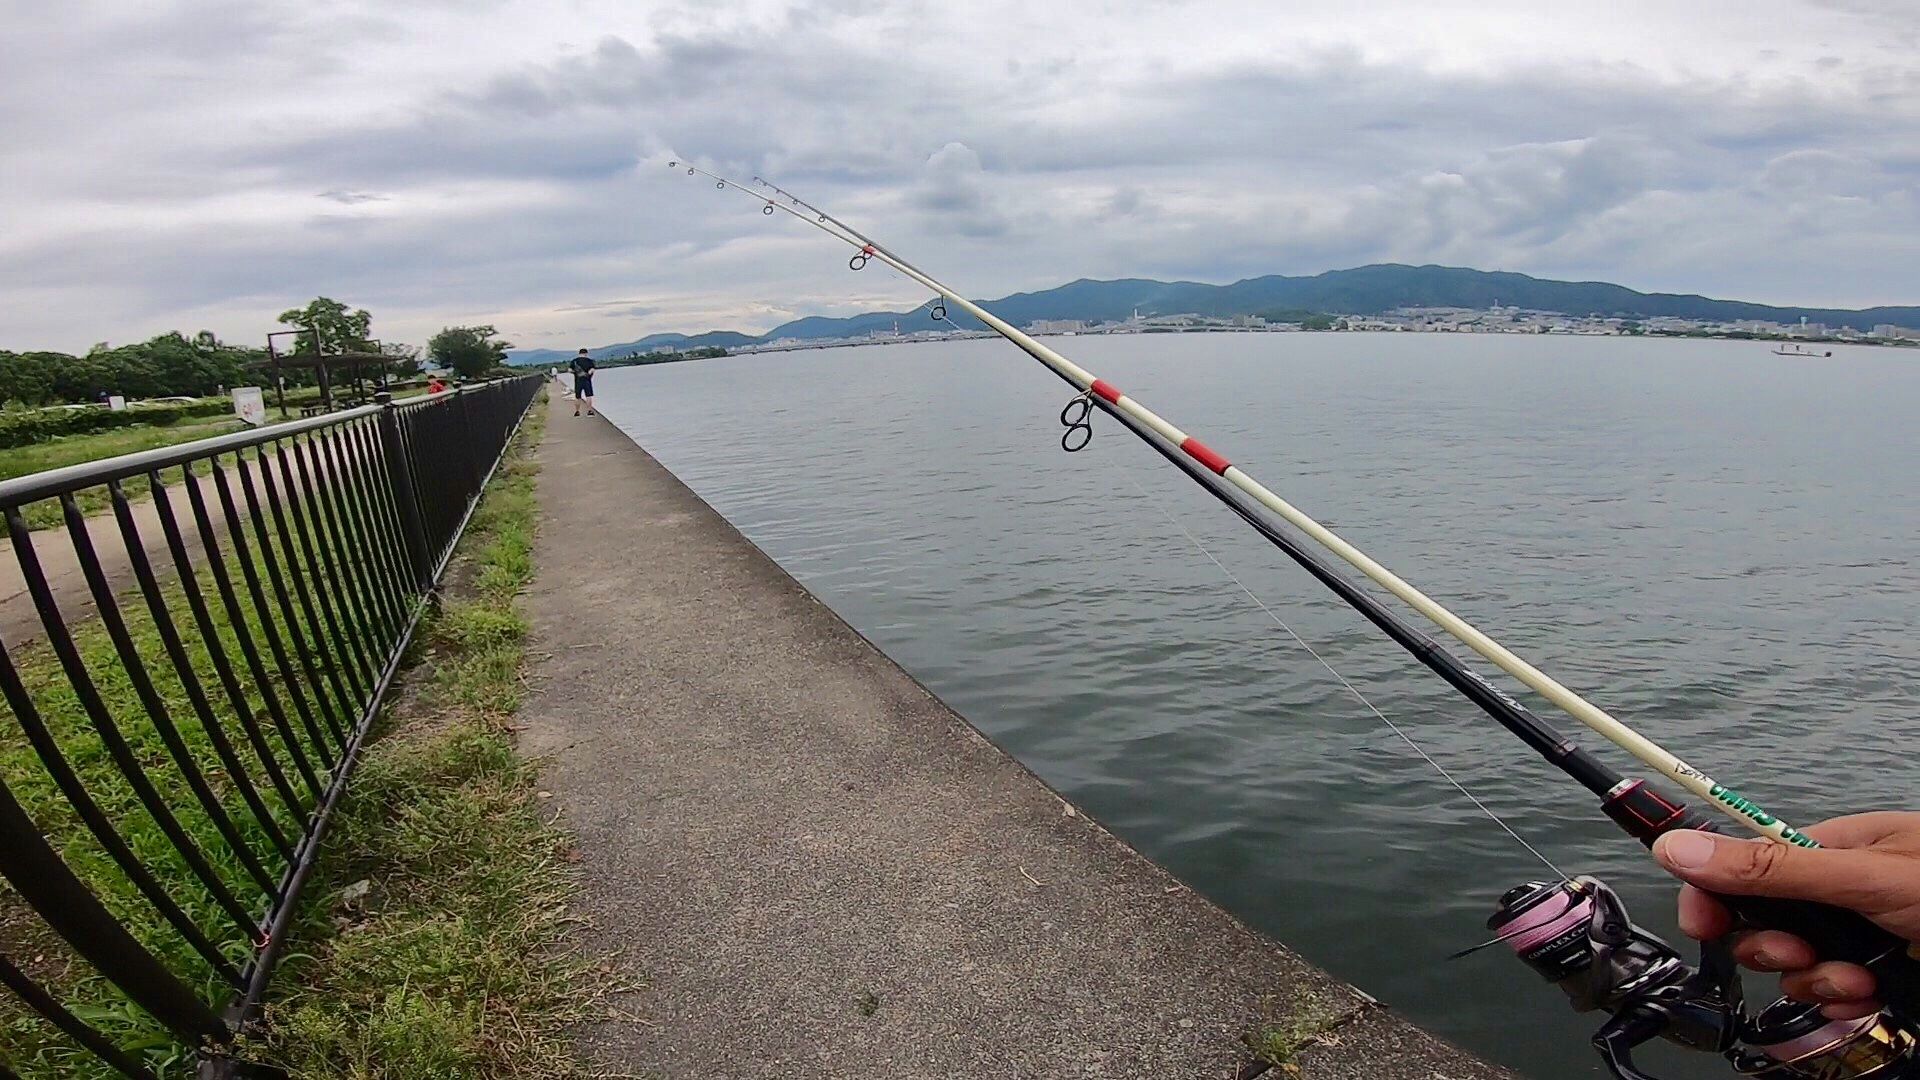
x=494, y=161
x=953, y=190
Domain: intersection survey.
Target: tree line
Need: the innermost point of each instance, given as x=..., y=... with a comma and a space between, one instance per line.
x=168, y=365
x=663, y=356
x=174, y=364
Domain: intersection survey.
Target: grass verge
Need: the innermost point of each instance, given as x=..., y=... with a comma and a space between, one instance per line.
x=437, y=944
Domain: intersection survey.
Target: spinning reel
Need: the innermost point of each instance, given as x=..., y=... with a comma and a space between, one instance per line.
x=1578, y=935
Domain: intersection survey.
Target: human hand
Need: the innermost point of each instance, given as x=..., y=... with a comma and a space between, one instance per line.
x=1869, y=863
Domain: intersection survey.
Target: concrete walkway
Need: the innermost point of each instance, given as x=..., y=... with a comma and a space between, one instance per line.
x=813, y=868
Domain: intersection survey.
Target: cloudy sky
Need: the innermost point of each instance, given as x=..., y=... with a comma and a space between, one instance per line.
x=199, y=165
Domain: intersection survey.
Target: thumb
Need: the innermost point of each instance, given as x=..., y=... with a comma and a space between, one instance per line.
x=1848, y=877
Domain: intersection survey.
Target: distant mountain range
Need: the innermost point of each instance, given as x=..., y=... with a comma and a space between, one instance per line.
x=1363, y=290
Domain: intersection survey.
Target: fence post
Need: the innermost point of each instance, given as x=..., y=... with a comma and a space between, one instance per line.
x=418, y=553
x=469, y=454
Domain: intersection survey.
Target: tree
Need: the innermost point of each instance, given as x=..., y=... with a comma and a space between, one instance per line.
x=339, y=329
x=469, y=350
x=24, y=380
x=405, y=362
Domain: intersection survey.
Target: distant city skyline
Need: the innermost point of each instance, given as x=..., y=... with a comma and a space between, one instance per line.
x=1456, y=320
x=1496, y=320
x=205, y=164
x=1354, y=295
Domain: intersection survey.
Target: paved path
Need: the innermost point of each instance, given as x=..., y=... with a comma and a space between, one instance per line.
x=813, y=868
x=20, y=621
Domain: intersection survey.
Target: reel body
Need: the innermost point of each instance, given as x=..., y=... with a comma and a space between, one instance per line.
x=1577, y=934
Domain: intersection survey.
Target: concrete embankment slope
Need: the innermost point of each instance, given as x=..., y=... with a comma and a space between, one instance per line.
x=810, y=867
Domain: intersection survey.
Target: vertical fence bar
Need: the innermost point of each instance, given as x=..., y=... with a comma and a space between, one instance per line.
x=352, y=510
x=332, y=543
x=75, y=1028
x=470, y=454
x=158, y=713
x=385, y=546
x=288, y=676
x=350, y=658
x=345, y=707
x=386, y=506
x=404, y=490
x=223, y=668
x=354, y=551
x=123, y=757
x=163, y=625
x=242, y=636
x=108, y=727
x=430, y=445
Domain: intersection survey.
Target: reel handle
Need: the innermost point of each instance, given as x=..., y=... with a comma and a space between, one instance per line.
x=1617, y=1039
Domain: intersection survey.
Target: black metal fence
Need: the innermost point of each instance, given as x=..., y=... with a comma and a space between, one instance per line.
x=191, y=678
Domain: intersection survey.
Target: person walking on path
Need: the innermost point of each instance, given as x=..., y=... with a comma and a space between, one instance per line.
x=582, y=368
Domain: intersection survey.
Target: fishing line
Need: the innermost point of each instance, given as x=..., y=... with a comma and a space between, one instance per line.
x=1335, y=672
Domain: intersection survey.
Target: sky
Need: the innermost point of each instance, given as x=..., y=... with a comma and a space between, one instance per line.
x=206, y=165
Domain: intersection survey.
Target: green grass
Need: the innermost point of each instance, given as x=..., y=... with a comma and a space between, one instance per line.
x=29, y=1046
x=74, y=449
x=455, y=960
x=1286, y=1030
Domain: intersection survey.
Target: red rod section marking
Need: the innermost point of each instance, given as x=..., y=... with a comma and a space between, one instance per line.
x=1205, y=455
x=1106, y=391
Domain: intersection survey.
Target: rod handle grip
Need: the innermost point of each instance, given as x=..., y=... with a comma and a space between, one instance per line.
x=1839, y=934
x=1835, y=933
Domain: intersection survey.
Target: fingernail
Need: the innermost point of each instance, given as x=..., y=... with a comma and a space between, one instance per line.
x=1765, y=959
x=1684, y=849
x=1823, y=988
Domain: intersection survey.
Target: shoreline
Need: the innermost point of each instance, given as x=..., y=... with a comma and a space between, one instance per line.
x=983, y=335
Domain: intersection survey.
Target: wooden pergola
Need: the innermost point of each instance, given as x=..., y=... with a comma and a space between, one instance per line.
x=354, y=364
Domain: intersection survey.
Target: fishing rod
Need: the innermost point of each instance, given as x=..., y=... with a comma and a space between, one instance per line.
x=1574, y=931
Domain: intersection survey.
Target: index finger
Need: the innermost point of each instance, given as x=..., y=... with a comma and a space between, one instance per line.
x=1702, y=917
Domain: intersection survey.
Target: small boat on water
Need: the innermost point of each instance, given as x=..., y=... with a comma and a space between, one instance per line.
x=1801, y=350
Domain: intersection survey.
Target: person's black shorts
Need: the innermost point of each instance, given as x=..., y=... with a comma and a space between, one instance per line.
x=582, y=386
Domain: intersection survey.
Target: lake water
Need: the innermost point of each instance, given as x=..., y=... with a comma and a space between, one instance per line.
x=1715, y=543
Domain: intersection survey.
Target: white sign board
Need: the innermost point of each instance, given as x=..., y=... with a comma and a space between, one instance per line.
x=248, y=405
x=116, y=403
